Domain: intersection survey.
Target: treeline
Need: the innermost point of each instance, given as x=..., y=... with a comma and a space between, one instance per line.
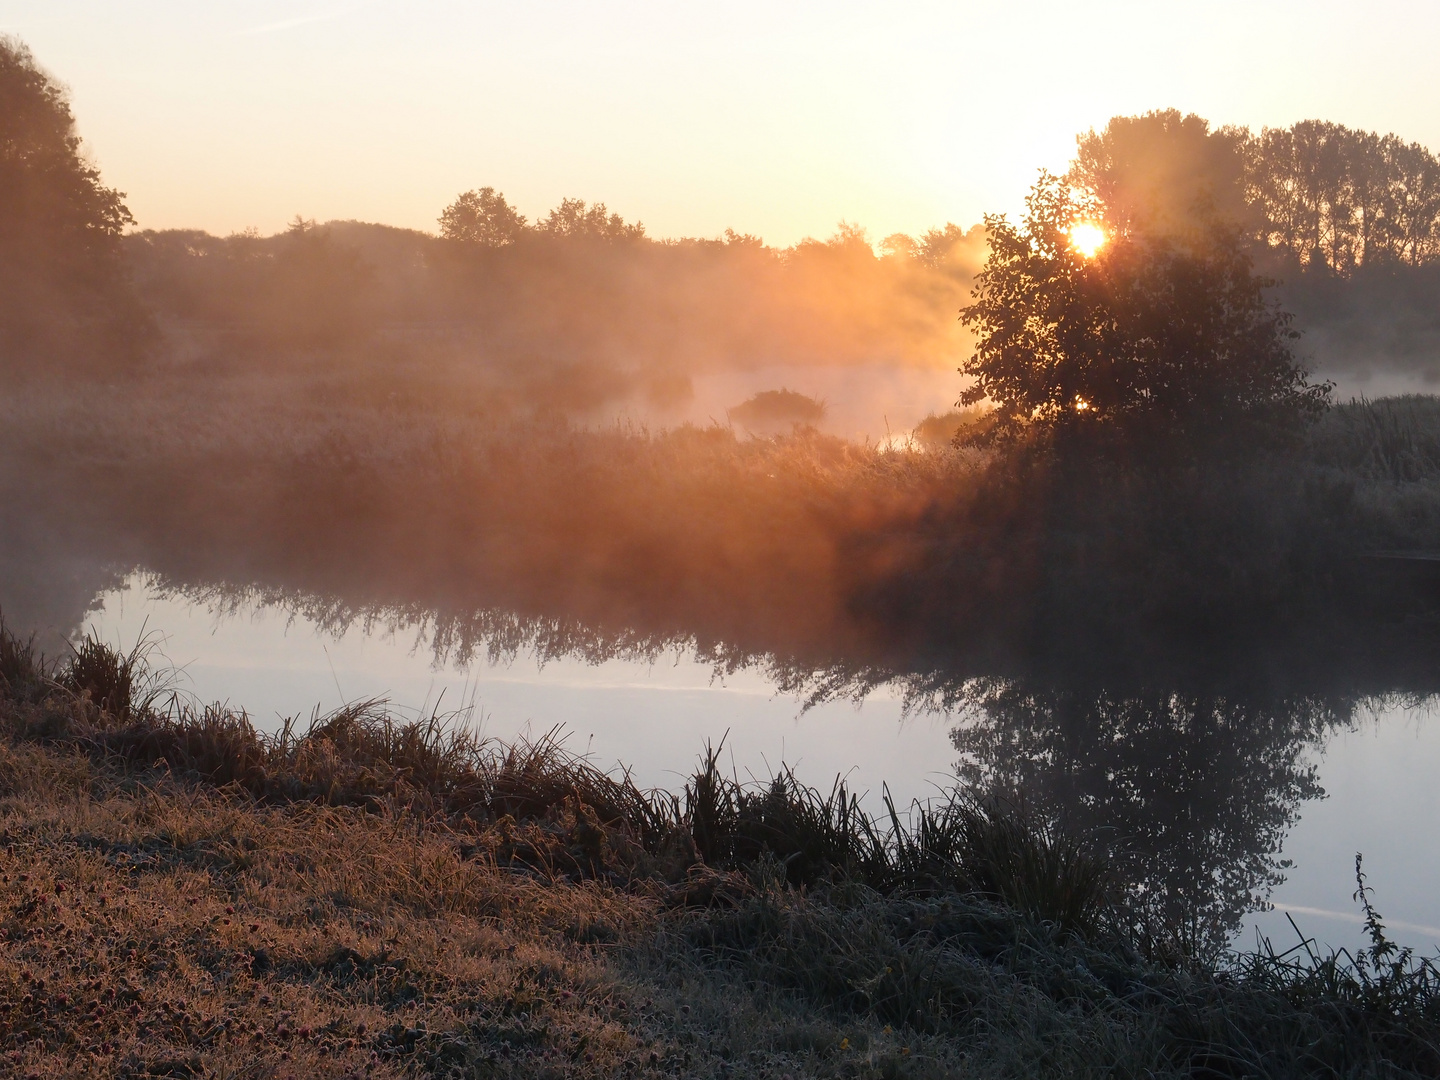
x=581, y=308
x=1335, y=196
x=1324, y=194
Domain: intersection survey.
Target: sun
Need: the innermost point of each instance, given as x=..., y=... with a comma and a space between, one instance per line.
x=1087, y=238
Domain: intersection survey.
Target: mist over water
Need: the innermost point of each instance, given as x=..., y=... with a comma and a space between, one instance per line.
x=1209, y=790
x=660, y=493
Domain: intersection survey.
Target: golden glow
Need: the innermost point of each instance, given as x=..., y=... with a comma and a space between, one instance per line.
x=1081, y=405
x=1087, y=238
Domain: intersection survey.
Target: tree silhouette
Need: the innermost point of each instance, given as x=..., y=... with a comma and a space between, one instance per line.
x=1149, y=338
x=1329, y=196
x=1192, y=794
x=63, y=291
x=1338, y=198
x=1164, y=174
x=482, y=217
x=573, y=218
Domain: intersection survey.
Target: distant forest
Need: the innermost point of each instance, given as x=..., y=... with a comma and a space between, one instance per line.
x=585, y=310
x=581, y=307
x=1318, y=194
x=583, y=301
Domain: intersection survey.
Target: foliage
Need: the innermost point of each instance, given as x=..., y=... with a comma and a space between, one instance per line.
x=64, y=297
x=1163, y=174
x=1150, y=340
x=574, y=219
x=482, y=217
x=1328, y=196
x=771, y=409
x=1337, y=198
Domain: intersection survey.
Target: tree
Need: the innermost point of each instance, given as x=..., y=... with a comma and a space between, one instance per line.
x=1413, y=221
x=573, y=218
x=1149, y=339
x=64, y=294
x=1163, y=173
x=482, y=217
x=951, y=248
x=899, y=246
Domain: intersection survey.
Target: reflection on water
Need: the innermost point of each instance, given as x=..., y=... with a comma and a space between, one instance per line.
x=1192, y=794
x=1215, y=793
x=653, y=713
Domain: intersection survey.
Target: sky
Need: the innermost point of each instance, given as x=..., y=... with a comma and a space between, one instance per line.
x=770, y=118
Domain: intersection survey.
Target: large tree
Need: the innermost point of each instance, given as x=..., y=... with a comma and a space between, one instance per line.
x=64, y=296
x=1164, y=173
x=1149, y=338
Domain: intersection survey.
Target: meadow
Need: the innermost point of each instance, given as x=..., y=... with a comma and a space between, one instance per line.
x=1150, y=563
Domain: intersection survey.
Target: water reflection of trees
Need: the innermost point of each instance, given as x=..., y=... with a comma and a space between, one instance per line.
x=1192, y=792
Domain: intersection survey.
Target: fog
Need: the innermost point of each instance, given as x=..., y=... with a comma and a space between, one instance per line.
x=569, y=438
x=580, y=324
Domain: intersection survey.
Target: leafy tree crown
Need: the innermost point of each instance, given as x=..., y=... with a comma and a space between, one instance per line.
x=1150, y=337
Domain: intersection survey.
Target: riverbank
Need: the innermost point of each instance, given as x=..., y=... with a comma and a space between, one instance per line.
x=183, y=897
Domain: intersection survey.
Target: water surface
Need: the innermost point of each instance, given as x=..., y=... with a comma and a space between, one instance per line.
x=1226, y=803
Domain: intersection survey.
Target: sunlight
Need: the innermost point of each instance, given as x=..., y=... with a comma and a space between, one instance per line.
x=1087, y=238
x=1081, y=405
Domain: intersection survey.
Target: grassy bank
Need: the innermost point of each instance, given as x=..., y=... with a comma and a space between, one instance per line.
x=181, y=896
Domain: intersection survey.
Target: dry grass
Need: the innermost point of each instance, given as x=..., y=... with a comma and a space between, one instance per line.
x=179, y=897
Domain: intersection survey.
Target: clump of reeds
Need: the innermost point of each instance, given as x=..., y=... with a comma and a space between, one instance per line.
x=959, y=844
x=991, y=848
x=22, y=667
x=1395, y=439
x=119, y=683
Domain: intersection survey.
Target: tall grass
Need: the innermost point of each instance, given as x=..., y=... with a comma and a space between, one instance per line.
x=22, y=667
x=361, y=755
x=957, y=917
x=1393, y=439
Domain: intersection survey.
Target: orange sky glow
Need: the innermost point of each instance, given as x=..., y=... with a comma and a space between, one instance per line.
x=778, y=120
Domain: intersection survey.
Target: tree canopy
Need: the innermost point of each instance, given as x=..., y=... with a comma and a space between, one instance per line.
x=1147, y=338
x=482, y=217
x=1164, y=174
x=63, y=291
x=1323, y=194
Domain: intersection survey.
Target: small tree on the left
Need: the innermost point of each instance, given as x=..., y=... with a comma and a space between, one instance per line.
x=65, y=297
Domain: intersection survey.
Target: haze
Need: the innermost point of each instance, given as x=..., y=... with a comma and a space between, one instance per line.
x=774, y=120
